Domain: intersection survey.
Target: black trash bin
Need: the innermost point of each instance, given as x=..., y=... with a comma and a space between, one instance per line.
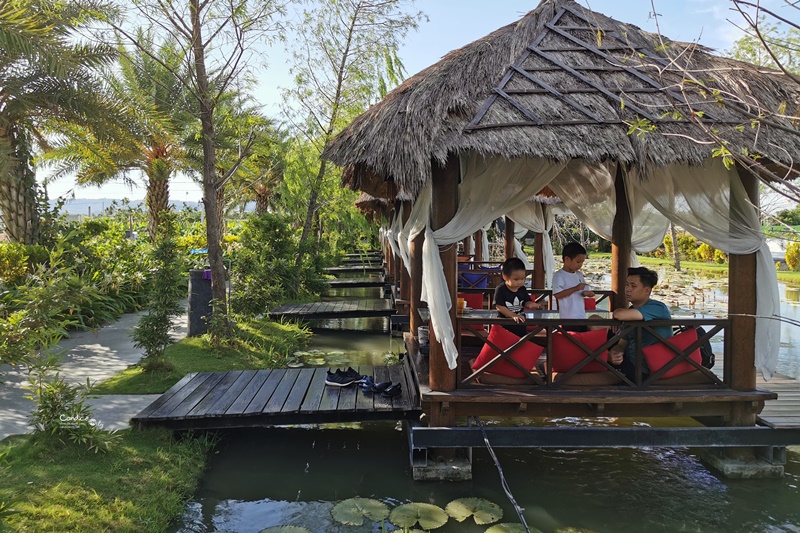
x=199, y=301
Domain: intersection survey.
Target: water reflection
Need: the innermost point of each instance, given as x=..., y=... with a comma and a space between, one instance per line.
x=263, y=478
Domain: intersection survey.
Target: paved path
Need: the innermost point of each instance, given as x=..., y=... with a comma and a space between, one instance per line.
x=96, y=355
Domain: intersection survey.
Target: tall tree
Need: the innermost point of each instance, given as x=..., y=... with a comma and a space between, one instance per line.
x=217, y=38
x=151, y=141
x=344, y=60
x=48, y=78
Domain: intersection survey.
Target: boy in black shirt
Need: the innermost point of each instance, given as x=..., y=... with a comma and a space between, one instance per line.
x=512, y=297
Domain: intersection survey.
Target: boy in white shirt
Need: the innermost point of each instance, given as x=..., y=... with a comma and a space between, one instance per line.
x=569, y=285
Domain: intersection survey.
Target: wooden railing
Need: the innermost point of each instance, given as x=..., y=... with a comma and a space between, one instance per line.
x=543, y=331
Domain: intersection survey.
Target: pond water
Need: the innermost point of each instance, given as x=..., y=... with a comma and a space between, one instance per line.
x=263, y=478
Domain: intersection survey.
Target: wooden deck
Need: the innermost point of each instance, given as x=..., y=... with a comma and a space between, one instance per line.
x=354, y=269
x=251, y=398
x=376, y=307
x=785, y=411
x=352, y=283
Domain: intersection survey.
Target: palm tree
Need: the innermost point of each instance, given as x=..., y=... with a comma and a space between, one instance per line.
x=47, y=79
x=151, y=141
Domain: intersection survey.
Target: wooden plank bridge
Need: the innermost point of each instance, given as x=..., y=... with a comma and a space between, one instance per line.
x=376, y=307
x=254, y=398
x=354, y=269
x=352, y=283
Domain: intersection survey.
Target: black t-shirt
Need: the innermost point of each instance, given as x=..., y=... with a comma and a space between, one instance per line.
x=515, y=301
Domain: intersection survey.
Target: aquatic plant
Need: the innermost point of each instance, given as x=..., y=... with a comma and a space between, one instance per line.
x=484, y=511
x=428, y=515
x=285, y=529
x=351, y=512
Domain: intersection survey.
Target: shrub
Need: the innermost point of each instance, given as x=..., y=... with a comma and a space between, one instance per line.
x=793, y=255
x=720, y=257
x=687, y=246
x=13, y=263
x=704, y=253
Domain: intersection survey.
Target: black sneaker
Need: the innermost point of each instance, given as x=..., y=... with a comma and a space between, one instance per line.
x=351, y=373
x=337, y=379
x=393, y=391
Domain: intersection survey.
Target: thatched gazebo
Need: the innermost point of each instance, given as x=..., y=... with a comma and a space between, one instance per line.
x=631, y=130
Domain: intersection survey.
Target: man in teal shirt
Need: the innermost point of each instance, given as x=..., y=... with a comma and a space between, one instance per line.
x=638, y=286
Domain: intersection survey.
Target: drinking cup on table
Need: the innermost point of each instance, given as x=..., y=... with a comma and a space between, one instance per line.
x=461, y=304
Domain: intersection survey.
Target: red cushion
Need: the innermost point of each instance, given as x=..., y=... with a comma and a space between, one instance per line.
x=658, y=355
x=567, y=354
x=589, y=303
x=474, y=301
x=526, y=355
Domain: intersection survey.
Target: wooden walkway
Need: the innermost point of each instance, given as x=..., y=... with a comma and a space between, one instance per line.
x=354, y=269
x=375, y=307
x=254, y=398
x=351, y=283
x=785, y=411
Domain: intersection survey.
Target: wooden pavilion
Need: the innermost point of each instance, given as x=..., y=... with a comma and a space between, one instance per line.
x=632, y=131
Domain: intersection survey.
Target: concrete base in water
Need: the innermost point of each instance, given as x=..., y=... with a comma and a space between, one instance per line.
x=457, y=469
x=754, y=468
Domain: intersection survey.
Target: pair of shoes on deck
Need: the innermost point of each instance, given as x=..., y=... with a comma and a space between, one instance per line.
x=343, y=378
x=384, y=388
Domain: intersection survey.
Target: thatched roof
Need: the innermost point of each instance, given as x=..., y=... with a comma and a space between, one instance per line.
x=369, y=204
x=564, y=82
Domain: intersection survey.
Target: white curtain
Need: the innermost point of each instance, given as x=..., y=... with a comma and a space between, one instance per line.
x=392, y=233
x=519, y=253
x=587, y=189
x=490, y=187
x=710, y=203
x=538, y=218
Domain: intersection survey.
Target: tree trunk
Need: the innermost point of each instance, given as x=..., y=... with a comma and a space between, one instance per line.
x=262, y=199
x=18, y=208
x=312, y=208
x=676, y=254
x=208, y=142
x=157, y=199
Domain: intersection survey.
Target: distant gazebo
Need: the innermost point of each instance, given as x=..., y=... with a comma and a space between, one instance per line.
x=629, y=129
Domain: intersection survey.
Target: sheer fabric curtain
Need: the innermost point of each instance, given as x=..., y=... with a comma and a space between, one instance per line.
x=539, y=218
x=519, y=253
x=490, y=187
x=587, y=189
x=710, y=203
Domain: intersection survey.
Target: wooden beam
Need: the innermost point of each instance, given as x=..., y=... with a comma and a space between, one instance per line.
x=444, y=203
x=509, y=239
x=742, y=301
x=620, y=242
x=479, y=246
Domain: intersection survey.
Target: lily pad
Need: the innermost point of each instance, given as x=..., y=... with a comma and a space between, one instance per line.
x=300, y=354
x=573, y=530
x=351, y=512
x=336, y=352
x=510, y=528
x=484, y=511
x=315, y=352
x=285, y=529
x=429, y=516
x=315, y=361
x=294, y=364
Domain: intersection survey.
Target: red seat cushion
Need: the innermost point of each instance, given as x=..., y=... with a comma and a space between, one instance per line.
x=589, y=304
x=526, y=355
x=658, y=355
x=567, y=354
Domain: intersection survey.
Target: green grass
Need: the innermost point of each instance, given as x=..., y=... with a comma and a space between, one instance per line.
x=259, y=344
x=141, y=485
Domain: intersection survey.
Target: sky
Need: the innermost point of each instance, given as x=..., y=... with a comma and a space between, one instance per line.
x=452, y=24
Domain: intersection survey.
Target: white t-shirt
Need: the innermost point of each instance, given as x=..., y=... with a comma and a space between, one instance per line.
x=572, y=306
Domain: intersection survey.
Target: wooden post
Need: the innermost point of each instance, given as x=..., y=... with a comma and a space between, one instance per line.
x=538, y=261
x=479, y=246
x=509, y=239
x=444, y=203
x=742, y=301
x=620, y=241
x=405, y=278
